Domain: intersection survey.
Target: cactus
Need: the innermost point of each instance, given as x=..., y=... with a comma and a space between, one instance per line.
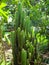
x=35, y=62
x=27, y=24
x=18, y=36
x=23, y=38
x=23, y=57
x=18, y=16
x=30, y=55
x=28, y=63
x=14, y=47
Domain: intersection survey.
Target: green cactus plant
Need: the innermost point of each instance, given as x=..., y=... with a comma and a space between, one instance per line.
x=14, y=47
x=23, y=57
x=24, y=39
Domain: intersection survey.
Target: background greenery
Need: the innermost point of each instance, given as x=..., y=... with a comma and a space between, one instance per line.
x=31, y=18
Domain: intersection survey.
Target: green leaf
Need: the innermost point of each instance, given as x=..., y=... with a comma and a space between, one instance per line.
x=3, y=13
x=7, y=39
x=3, y=5
x=3, y=63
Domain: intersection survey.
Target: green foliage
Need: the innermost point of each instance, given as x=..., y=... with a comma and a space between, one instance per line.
x=29, y=38
x=7, y=39
x=2, y=12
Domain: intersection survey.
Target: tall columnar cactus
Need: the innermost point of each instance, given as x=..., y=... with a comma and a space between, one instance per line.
x=18, y=16
x=23, y=38
x=23, y=57
x=18, y=36
x=14, y=47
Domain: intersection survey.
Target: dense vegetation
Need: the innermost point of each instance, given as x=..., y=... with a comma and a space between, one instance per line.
x=24, y=24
